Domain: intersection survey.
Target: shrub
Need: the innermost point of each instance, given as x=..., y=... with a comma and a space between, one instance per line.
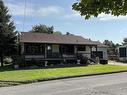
x=8, y=60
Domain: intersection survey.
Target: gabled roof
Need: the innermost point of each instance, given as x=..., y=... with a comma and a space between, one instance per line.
x=52, y=38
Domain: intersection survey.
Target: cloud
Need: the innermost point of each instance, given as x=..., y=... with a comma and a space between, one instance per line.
x=33, y=10
x=18, y=9
x=18, y=22
x=49, y=10
x=73, y=15
x=106, y=17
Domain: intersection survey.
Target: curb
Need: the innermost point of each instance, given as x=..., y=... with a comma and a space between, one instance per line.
x=64, y=77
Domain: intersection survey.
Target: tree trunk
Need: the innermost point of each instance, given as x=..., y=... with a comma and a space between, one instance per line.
x=2, y=61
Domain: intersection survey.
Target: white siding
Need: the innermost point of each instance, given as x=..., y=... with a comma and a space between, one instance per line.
x=103, y=49
x=105, y=56
x=87, y=52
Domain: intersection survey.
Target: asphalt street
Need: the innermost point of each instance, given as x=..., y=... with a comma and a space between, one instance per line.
x=110, y=84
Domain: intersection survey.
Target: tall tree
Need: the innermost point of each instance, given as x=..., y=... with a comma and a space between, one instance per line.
x=68, y=33
x=125, y=41
x=89, y=8
x=7, y=34
x=42, y=29
x=111, y=48
x=57, y=33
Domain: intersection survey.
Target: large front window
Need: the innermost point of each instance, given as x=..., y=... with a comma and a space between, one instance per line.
x=67, y=49
x=34, y=48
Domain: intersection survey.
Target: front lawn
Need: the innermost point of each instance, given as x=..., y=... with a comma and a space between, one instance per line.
x=33, y=74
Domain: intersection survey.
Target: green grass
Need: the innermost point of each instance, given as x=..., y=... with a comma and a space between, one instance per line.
x=33, y=74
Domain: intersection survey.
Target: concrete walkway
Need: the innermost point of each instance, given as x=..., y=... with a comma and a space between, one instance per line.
x=117, y=63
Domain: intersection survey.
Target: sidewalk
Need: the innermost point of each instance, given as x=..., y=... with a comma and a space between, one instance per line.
x=117, y=63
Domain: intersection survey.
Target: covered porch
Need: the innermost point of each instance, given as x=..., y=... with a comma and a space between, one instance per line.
x=49, y=51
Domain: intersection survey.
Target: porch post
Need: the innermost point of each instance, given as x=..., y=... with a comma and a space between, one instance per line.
x=45, y=55
x=22, y=48
x=91, y=51
x=96, y=50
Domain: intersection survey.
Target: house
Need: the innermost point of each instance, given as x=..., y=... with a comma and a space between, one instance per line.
x=122, y=52
x=101, y=52
x=49, y=47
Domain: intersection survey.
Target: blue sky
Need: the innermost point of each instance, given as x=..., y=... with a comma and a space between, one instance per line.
x=58, y=13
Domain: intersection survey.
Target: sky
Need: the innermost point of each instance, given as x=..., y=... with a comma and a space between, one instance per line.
x=59, y=13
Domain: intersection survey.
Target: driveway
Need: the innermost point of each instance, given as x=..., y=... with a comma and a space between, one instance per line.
x=111, y=84
x=117, y=63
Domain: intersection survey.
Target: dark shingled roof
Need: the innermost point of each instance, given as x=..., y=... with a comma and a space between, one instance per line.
x=99, y=44
x=52, y=38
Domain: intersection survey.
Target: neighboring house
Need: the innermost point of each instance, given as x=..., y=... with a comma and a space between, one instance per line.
x=101, y=51
x=48, y=47
x=122, y=52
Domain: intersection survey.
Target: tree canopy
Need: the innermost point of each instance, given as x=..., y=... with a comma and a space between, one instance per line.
x=40, y=28
x=125, y=41
x=90, y=8
x=111, y=48
x=57, y=33
x=68, y=33
x=7, y=33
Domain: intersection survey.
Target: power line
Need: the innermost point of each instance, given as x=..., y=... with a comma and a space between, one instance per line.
x=24, y=17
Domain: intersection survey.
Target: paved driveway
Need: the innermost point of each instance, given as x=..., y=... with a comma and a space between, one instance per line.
x=117, y=63
x=112, y=84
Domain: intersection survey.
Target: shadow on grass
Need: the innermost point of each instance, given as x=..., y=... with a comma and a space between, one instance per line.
x=7, y=68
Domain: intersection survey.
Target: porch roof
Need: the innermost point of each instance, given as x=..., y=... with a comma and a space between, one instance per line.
x=56, y=39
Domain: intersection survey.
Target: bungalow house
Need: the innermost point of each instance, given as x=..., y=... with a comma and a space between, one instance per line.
x=49, y=47
x=122, y=52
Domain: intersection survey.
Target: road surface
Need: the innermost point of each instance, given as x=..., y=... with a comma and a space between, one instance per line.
x=111, y=84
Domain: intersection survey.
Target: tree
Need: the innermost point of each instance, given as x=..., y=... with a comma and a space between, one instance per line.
x=7, y=34
x=68, y=33
x=90, y=8
x=111, y=48
x=42, y=29
x=125, y=41
x=57, y=33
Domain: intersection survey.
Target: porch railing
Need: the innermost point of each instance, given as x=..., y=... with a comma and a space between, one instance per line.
x=56, y=55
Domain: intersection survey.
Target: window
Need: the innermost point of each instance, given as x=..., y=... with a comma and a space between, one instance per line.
x=34, y=49
x=81, y=48
x=122, y=52
x=67, y=49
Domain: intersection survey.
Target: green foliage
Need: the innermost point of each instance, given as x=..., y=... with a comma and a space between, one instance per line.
x=18, y=59
x=8, y=60
x=7, y=34
x=42, y=29
x=68, y=33
x=57, y=33
x=125, y=41
x=89, y=8
x=111, y=49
